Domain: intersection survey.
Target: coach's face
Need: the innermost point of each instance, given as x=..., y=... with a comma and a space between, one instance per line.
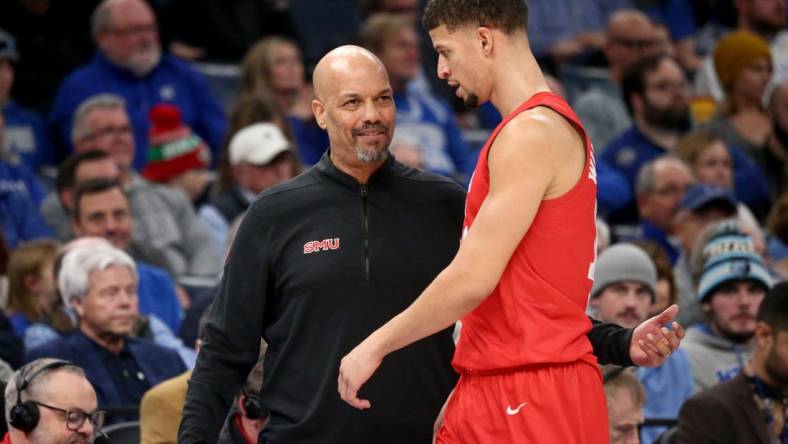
x=355, y=105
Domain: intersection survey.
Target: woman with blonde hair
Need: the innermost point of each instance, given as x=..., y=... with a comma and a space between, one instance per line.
x=31, y=283
x=274, y=66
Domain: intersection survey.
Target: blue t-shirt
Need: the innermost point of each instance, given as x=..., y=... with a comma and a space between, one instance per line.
x=156, y=295
x=25, y=136
x=172, y=81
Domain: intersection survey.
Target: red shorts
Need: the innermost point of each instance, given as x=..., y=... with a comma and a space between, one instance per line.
x=562, y=404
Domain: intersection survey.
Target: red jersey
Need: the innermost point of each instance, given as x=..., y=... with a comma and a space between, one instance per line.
x=536, y=314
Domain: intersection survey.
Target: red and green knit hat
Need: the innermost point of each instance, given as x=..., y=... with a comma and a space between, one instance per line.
x=173, y=147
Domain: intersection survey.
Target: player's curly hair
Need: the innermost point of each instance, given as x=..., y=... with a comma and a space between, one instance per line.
x=506, y=15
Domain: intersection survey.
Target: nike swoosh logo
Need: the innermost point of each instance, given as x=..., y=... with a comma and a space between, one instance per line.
x=510, y=411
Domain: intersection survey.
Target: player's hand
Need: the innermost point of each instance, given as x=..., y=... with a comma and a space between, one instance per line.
x=652, y=341
x=354, y=370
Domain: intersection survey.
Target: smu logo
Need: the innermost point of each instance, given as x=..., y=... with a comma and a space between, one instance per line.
x=323, y=245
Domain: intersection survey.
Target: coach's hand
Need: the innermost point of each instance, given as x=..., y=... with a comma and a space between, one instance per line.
x=354, y=370
x=652, y=341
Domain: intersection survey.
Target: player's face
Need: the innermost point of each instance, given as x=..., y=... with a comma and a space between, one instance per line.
x=458, y=61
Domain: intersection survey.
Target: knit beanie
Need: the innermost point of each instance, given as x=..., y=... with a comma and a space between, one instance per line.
x=623, y=262
x=735, y=52
x=173, y=147
x=729, y=255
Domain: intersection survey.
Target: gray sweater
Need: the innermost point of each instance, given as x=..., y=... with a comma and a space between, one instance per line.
x=166, y=233
x=713, y=359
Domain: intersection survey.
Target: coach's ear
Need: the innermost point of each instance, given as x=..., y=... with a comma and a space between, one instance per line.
x=319, y=110
x=484, y=36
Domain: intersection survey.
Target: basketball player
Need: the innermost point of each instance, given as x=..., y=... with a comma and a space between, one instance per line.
x=521, y=279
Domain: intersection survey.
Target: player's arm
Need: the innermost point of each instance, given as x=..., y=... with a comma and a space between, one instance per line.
x=522, y=167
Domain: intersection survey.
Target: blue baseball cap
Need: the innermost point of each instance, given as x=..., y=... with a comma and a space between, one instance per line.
x=701, y=195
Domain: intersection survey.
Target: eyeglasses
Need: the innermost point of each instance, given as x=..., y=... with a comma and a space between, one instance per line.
x=75, y=418
x=672, y=190
x=108, y=131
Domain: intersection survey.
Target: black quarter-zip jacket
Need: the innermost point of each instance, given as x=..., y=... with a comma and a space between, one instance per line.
x=318, y=264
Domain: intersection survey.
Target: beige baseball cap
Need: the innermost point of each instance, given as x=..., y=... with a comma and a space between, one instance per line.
x=257, y=144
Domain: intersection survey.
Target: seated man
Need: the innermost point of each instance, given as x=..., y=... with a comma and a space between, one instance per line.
x=78, y=168
x=625, y=397
x=50, y=401
x=100, y=285
x=624, y=288
x=752, y=406
x=702, y=206
x=661, y=184
x=129, y=63
x=26, y=139
x=102, y=210
x=260, y=157
x=731, y=287
x=16, y=176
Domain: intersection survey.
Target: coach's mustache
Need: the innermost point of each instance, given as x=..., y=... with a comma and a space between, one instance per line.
x=372, y=127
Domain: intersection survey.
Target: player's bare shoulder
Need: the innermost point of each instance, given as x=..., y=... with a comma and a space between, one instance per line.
x=545, y=139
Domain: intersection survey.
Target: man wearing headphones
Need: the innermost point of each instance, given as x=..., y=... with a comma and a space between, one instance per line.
x=49, y=401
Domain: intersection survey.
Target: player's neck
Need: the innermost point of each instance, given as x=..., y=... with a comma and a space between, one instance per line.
x=516, y=81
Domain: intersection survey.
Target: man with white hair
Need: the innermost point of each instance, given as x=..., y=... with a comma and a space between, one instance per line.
x=50, y=401
x=129, y=62
x=100, y=284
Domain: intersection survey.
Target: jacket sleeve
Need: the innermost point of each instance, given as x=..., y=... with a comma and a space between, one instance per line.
x=610, y=343
x=232, y=333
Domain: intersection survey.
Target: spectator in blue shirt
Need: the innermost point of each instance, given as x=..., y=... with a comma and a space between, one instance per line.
x=424, y=118
x=657, y=96
x=129, y=63
x=25, y=134
x=661, y=185
x=15, y=177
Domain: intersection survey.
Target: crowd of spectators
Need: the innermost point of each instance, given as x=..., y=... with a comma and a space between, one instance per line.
x=134, y=134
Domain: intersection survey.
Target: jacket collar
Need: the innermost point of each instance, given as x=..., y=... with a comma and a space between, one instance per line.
x=326, y=169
